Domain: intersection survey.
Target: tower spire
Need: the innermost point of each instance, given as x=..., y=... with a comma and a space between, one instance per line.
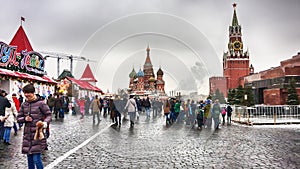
x=148, y=60
x=234, y=18
x=148, y=50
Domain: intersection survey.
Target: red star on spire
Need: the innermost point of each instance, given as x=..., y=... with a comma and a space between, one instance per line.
x=234, y=5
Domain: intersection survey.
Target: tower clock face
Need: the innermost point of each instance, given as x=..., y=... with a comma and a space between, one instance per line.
x=237, y=45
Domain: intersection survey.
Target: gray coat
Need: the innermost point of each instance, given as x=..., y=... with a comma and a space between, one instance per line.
x=39, y=111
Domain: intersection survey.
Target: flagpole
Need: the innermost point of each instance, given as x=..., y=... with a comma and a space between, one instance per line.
x=22, y=19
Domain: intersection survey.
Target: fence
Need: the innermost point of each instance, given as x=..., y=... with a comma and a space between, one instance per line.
x=263, y=114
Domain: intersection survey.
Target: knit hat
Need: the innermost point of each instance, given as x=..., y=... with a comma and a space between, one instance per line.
x=207, y=101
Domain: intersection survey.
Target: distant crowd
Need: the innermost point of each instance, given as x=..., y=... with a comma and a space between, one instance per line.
x=35, y=114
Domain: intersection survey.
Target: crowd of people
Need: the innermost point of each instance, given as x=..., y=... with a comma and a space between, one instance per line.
x=35, y=114
x=114, y=108
x=201, y=114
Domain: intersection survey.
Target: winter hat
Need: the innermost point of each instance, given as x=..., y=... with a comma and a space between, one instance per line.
x=207, y=101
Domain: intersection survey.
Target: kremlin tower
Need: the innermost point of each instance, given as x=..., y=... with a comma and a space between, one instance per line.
x=235, y=61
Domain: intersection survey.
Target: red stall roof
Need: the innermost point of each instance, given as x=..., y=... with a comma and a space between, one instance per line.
x=85, y=85
x=44, y=78
x=88, y=75
x=6, y=72
x=21, y=41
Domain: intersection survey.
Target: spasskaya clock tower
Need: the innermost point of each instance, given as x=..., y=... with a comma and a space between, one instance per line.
x=235, y=60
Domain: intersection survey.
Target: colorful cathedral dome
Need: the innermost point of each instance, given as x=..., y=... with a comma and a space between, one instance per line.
x=140, y=73
x=160, y=72
x=151, y=79
x=132, y=74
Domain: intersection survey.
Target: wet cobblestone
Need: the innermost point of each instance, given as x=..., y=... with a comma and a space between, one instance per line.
x=150, y=144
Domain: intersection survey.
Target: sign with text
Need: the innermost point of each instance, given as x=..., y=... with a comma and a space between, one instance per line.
x=28, y=62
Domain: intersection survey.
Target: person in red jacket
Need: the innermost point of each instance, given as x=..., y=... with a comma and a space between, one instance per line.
x=17, y=104
x=81, y=104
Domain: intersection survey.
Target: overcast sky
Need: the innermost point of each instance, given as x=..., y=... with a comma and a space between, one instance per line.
x=114, y=31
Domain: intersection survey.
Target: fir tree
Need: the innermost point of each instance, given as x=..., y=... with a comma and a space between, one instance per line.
x=218, y=95
x=250, y=97
x=231, y=96
x=239, y=96
x=292, y=98
x=222, y=99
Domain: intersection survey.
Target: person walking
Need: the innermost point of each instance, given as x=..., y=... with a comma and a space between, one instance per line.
x=155, y=107
x=207, y=114
x=147, y=105
x=200, y=116
x=65, y=107
x=223, y=115
x=95, y=106
x=167, y=107
x=229, y=111
x=9, y=122
x=58, y=103
x=81, y=104
x=105, y=107
x=172, y=109
x=33, y=111
x=176, y=109
x=116, y=107
x=192, y=113
x=132, y=109
x=17, y=105
x=50, y=102
x=87, y=105
x=139, y=107
x=21, y=99
x=4, y=103
x=216, y=110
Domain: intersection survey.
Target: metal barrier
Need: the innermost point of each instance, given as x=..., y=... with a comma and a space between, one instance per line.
x=266, y=114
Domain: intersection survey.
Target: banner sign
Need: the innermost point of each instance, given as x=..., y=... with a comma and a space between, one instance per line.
x=27, y=62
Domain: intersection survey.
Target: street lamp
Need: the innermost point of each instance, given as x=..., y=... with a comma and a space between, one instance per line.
x=247, y=111
x=245, y=97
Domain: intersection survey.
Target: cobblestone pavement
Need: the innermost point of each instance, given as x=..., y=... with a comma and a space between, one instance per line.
x=77, y=143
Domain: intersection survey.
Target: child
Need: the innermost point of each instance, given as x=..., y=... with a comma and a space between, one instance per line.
x=200, y=117
x=223, y=114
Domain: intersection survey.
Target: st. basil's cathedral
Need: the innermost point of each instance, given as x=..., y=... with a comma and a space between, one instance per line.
x=144, y=82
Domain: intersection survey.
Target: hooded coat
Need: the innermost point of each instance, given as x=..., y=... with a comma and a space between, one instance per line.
x=10, y=113
x=39, y=111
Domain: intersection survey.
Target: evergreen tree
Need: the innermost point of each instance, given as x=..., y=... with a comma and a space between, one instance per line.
x=292, y=98
x=250, y=97
x=222, y=99
x=239, y=96
x=231, y=96
x=218, y=95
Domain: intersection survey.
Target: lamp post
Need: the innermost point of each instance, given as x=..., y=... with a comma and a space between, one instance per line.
x=248, y=116
x=179, y=95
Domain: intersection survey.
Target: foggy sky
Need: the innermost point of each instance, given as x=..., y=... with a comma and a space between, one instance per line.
x=270, y=28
